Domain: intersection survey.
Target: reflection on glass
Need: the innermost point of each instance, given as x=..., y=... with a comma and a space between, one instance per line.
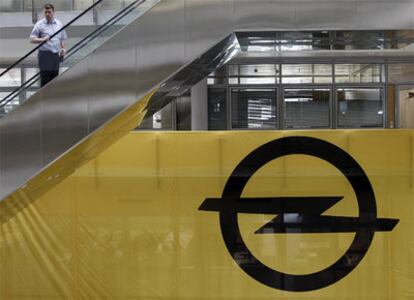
x=401, y=73
x=360, y=107
x=183, y=112
x=306, y=73
x=217, y=108
x=218, y=76
x=306, y=108
x=253, y=108
x=358, y=73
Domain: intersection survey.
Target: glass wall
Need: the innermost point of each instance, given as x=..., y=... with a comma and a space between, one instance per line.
x=306, y=73
x=358, y=73
x=307, y=108
x=360, y=107
x=253, y=74
x=298, y=96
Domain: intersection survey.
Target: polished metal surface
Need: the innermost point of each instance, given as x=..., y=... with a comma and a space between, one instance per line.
x=150, y=51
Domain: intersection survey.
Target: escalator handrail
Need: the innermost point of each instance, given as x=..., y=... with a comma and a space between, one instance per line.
x=28, y=83
x=53, y=35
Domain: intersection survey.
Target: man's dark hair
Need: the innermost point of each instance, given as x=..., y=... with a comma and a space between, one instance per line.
x=49, y=6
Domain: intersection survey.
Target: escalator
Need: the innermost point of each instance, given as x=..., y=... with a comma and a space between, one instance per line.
x=108, y=23
x=131, y=66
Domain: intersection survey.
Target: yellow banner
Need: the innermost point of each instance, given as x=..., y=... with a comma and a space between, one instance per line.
x=223, y=215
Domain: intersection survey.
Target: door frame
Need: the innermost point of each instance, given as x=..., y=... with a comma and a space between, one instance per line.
x=398, y=89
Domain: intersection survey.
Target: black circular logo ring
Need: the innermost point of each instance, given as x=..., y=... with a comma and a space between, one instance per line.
x=307, y=146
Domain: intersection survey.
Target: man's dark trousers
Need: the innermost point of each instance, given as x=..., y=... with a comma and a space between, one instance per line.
x=48, y=65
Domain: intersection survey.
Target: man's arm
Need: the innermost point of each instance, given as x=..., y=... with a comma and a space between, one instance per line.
x=36, y=40
x=63, y=37
x=35, y=36
x=62, y=48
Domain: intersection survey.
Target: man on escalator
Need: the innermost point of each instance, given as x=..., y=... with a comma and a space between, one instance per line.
x=53, y=49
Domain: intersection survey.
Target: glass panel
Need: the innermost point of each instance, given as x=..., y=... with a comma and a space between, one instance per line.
x=11, y=79
x=325, y=40
x=217, y=109
x=233, y=80
x=307, y=73
x=258, y=41
x=358, y=40
x=233, y=70
x=307, y=108
x=112, y=4
x=258, y=70
x=253, y=108
x=257, y=80
x=360, y=107
x=358, y=73
x=27, y=5
x=300, y=41
x=5, y=109
x=10, y=5
x=30, y=73
x=60, y=5
x=218, y=76
x=253, y=74
x=82, y=4
x=401, y=73
x=322, y=73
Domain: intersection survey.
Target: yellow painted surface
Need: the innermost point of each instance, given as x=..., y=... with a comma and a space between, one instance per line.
x=127, y=226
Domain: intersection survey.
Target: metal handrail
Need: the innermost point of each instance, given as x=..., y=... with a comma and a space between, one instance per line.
x=28, y=83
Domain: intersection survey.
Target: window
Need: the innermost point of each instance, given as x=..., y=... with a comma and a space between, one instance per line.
x=253, y=74
x=217, y=77
x=360, y=107
x=306, y=73
x=253, y=108
x=307, y=108
x=401, y=73
x=10, y=5
x=314, y=95
x=358, y=73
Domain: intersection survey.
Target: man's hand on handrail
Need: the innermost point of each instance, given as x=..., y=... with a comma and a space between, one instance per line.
x=36, y=40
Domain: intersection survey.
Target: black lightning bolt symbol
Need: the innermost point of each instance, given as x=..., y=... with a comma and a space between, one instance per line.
x=299, y=215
